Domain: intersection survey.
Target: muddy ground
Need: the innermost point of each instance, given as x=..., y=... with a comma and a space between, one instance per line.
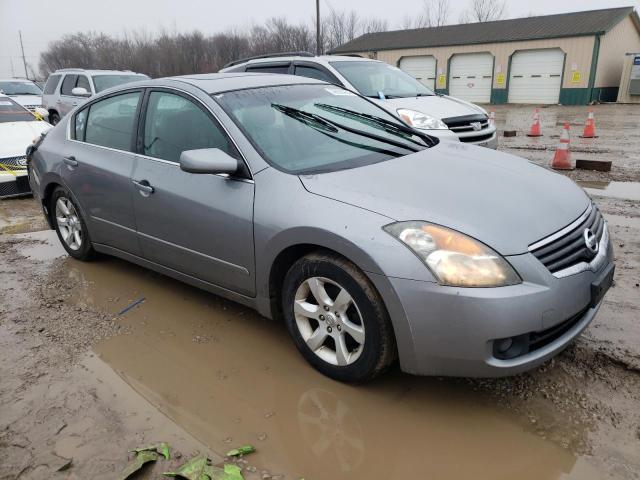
x=80, y=384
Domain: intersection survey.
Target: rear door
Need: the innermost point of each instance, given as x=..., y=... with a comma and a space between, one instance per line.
x=98, y=162
x=197, y=224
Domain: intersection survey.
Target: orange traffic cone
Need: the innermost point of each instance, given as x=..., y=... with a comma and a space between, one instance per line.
x=562, y=158
x=535, y=130
x=589, y=126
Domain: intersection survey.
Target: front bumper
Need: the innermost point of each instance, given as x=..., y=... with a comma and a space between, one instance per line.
x=483, y=138
x=14, y=184
x=453, y=330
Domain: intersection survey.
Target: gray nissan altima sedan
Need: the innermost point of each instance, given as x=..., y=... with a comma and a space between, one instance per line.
x=373, y=241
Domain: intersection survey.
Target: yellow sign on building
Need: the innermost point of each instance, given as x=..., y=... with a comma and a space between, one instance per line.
x=442, y=80
x=575, y=77
x=500, y=79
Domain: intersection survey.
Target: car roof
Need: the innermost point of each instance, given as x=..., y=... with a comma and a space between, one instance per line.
x=95, y=72
x=322, y=59
x=223, y=82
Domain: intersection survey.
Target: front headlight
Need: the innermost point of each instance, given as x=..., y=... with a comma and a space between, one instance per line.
x=421, y=120
x=454, y=259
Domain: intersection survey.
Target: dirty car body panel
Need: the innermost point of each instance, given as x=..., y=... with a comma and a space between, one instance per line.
x=228, y=233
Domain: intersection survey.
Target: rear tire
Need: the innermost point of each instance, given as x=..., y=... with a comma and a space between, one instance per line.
x=337, y=318
x=70, y=226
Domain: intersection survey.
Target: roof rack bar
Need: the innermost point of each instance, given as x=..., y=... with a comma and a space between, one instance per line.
x=270, y=55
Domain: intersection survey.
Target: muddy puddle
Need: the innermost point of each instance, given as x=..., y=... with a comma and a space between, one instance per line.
x=229, y=377
x=622, y=190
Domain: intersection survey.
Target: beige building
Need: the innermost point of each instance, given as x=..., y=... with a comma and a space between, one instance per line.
x=572, y=58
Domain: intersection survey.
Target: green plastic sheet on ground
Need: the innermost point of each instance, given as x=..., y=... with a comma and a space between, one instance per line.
x=142, y=457
x=200, y=468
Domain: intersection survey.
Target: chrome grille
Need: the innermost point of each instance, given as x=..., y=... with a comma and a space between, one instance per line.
x=15, y=163
x=569, y=248
x=464, y=123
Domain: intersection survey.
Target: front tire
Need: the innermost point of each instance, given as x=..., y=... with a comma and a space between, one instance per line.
x=337, y=319
x=54, y=118
x=70, y=226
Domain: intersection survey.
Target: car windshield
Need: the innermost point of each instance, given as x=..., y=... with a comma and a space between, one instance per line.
x=375, y=79
x=102, y=82
x=19, y=88
x=318, y=128
x=10, y=111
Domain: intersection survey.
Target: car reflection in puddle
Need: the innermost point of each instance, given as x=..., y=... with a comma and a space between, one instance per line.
x=229, y=376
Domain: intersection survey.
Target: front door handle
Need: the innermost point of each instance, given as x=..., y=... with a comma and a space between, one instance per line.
x=70, y=161
x=144, y=186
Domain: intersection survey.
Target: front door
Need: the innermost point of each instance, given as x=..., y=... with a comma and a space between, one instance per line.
x=197, y=224
x=98, y=164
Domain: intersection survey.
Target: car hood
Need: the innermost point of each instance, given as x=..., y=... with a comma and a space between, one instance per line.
x=15, y=137
x=439, y=106
x=500, y=199
x=25, y=100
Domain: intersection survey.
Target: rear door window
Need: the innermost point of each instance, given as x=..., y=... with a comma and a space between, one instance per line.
x=52, y=84
x=110, y=122
x=68, y=84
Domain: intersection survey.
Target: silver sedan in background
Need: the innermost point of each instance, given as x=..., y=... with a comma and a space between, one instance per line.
x=372, y=240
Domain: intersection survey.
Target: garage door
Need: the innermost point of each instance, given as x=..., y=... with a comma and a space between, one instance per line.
x=470, y=76
x=422, y=68
x=536, y=76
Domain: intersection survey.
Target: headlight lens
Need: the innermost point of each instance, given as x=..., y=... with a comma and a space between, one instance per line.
x=421, y=120
x=454, y=258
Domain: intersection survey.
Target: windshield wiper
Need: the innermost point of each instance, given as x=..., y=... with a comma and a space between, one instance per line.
x=315, y=120
x=306, y=117
x=378, y=122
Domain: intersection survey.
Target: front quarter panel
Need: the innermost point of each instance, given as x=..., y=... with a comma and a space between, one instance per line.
x=287, y=215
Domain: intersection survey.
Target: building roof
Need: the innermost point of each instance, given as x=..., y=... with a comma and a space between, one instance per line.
x=529, y=28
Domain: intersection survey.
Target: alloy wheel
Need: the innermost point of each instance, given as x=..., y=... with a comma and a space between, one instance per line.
x=329, y=321
x=69, y=223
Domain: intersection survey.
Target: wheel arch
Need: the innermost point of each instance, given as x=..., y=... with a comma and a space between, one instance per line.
x=284, y=255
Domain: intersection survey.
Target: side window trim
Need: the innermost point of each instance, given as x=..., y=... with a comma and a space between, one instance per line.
x=256, y=66
x=246, y=174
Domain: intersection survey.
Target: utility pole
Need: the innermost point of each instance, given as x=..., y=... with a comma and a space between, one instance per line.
x=24, y=60
x=318, y=44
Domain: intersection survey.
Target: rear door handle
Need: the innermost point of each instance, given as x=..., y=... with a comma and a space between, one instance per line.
x=70, y=161
x=145, y=188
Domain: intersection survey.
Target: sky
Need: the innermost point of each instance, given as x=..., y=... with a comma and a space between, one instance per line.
x=42, y=21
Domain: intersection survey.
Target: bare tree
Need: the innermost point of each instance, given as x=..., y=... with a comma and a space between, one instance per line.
x=434, y=13
x=169, y=53
x=484, y=11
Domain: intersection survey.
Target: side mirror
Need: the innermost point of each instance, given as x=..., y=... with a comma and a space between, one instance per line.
x=80, y=92
x=41, y=112
x=208, y=160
